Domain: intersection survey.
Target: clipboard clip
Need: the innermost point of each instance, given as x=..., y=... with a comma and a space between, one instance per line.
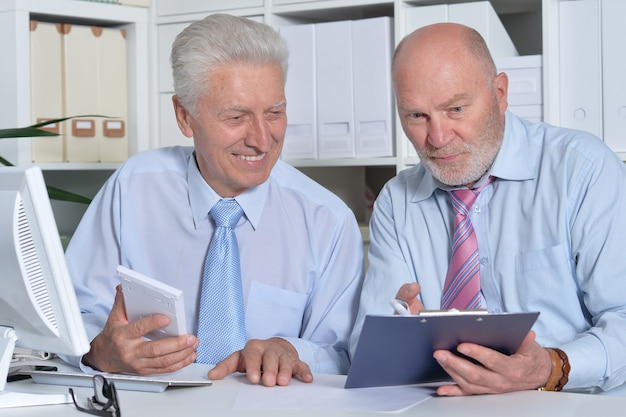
x=401, y=308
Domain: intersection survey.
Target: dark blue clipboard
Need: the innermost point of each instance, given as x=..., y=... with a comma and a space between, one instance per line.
x=398, y=350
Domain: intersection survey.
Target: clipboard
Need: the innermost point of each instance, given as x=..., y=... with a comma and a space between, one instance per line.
x=398, y=350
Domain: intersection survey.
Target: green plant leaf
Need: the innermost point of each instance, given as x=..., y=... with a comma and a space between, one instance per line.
x=5, y=162
x=62, y=195
x=36, y=131
x=25, y=132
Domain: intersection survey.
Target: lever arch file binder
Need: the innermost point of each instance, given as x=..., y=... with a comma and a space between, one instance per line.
x=614, y=72
x=300, y=90
x=112, y=99
x=81, y=92
x=525, y=93
x=372, y=47
x=580, y=60
x=479, y=15
x=46, y=88
x=334, y=90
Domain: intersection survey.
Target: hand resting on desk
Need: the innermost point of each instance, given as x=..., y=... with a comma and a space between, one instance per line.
x=528, y=368
x=270, y=362
x=120, y=346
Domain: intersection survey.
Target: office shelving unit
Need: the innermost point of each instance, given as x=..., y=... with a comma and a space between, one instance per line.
x=350, y=178
x=15, y=111
x=15, y=68
x=533, y=25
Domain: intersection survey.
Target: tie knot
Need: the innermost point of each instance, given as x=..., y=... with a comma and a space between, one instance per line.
x=464, y=198
x=226, y=213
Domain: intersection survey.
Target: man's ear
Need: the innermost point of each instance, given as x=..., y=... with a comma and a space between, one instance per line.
x=183, y=118
x=501, y=84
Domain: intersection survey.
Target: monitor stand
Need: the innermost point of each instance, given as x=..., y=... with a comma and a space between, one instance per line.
x=14, y=398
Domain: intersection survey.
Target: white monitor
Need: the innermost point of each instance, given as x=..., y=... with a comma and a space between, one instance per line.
x=38, y=305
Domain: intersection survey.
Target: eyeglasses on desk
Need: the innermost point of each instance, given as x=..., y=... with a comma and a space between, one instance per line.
x=104, y=402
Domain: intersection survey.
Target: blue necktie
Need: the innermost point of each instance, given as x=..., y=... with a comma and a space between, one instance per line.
x=221, y=323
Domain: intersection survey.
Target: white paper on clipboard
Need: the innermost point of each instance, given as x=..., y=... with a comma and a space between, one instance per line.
x=398, y=350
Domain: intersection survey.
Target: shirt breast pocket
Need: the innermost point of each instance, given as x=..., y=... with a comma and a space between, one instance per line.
x=546, y=283
x=273, y=311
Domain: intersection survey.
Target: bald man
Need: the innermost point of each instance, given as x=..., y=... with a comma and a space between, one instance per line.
x=547, y=222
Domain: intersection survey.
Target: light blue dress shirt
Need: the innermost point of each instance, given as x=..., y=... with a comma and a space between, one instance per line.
x=300, y=246
x=550, y=231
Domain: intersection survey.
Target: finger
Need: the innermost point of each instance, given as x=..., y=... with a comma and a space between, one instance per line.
x=302, y=371
x=118, y=311
x=488, y=358
x=145, y=325
x=469, y=377
x=167, y=346
x=227, y=366
x=415, y=306
x=165, y=355
x=166, y=363
x=271, y=366
x=288, y=366
x=450, y=391
x=494, y=360
x=409, y=292
x=254, y=361
x=117, y=317
x=528, y=344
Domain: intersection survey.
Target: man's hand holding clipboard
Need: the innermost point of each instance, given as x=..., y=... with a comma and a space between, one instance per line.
x=404, y=349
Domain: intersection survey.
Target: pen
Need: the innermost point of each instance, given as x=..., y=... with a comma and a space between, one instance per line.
x=400, y=307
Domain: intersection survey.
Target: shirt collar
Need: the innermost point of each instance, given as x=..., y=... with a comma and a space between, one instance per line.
x=202, y=197
x=512, y=161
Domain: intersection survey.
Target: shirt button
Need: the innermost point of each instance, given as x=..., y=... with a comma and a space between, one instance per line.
x=483, y=261
x=476, y=209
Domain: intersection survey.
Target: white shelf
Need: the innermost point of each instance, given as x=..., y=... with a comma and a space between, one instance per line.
x=79, y=166
x=15, y=67
x=94, y=12
x=345, y=162
x=333, y=10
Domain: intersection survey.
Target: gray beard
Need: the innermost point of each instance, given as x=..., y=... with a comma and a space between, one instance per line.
x=482, y=154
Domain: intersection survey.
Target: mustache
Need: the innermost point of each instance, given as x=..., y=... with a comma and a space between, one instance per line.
x=449, y=149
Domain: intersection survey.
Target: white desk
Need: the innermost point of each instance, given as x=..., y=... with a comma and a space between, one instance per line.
x=218, y=399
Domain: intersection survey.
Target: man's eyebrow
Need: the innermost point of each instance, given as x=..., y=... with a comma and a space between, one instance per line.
x=406, y=107
x=236, y=108
x=245, y=109
x=279, y=104
x=454, y=99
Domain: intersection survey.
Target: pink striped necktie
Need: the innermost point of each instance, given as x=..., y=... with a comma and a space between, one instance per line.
x=462, y=286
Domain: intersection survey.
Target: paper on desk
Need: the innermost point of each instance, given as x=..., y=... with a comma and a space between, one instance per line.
x=326, y=392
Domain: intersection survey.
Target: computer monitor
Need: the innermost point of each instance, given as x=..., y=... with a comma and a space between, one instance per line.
x=38, y=305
